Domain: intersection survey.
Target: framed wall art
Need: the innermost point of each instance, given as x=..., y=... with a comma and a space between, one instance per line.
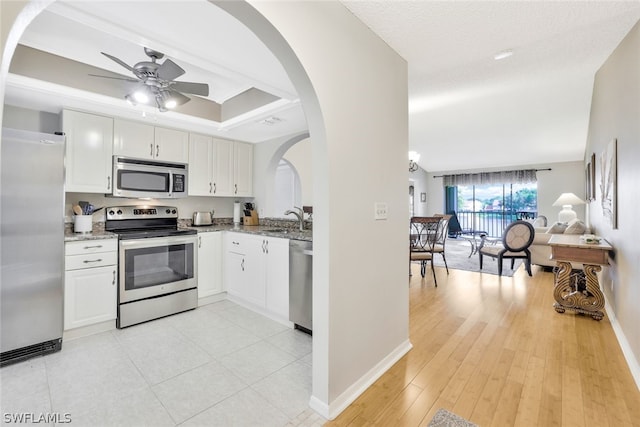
x=608, y=183
x=590, y=179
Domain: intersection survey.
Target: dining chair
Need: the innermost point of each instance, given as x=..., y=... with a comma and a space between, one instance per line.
x=422, y=239
x=441, y=240
x=516, y=239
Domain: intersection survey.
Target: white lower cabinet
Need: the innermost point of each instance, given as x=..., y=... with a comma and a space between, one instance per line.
x=90, y=282
x=209, y=263
x=275, y=270
x=256, y=270
x=242, y=268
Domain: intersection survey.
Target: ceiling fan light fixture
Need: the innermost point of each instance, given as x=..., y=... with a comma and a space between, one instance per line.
x=169, y=102
x=157, y=83
x=503, y=54
x=140, y=96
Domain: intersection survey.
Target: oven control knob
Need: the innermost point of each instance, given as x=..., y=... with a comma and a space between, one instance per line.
x=168, y=211
x=111, y=212
x=119, y=212
x=173, y=211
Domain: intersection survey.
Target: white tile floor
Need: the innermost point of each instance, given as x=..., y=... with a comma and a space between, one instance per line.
x=219, y=365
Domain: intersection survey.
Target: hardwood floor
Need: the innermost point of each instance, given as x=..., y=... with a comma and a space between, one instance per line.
x=494, y=351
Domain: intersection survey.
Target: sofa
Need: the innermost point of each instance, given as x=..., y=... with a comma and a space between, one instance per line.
x=540, y=249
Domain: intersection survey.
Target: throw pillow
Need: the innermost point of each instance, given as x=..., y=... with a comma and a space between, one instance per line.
x=575, y=227
x=557, y=228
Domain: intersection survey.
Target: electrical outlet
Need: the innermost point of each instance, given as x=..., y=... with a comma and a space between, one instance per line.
x=380, y=210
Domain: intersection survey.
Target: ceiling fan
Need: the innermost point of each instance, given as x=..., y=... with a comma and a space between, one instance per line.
x=156, y=82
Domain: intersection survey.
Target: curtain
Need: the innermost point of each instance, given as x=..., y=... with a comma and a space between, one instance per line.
x=504, y=177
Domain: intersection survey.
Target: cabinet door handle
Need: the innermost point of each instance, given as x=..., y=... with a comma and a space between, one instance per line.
x=266, y=246
x=235, y=243
x=242, y=264
x=157, y=150
x=262, y=245
x=108, y=183
x=87, y=261
x=199, y=241
x=114, y=278
x=210, y=188
x=236, y=188
x=151, y=150
x=214, y=188
x=94, y=246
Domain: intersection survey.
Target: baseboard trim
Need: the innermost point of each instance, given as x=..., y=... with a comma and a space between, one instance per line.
x=84, y=331
x=210, y=299
x=333, y=409
x=632, y=362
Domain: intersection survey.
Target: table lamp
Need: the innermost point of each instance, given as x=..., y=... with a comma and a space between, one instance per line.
x=567, y=200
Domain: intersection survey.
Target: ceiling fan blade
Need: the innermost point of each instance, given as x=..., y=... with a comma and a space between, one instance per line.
x=201, y=89
x=116, y=78
x=169, y=70
x=119, y=61
x=178, y=97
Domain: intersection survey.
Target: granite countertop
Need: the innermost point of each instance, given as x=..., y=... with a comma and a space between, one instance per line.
x=70, y=236
x=99, y=233
x=263, y=230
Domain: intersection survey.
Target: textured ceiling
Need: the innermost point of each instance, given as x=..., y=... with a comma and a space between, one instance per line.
x=469, y=111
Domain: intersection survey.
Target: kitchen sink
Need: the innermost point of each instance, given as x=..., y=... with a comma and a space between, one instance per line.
x=277, y=230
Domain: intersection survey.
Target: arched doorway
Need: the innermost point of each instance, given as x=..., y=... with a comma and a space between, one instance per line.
x=354, y=90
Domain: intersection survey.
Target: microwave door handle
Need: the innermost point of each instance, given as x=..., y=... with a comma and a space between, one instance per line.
x=170, y=184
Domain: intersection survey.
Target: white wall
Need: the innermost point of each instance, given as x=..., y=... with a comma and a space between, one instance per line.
x=420, y=181
x=222, y=206
x=562, y=178
x=299, y=155
x=615, y=109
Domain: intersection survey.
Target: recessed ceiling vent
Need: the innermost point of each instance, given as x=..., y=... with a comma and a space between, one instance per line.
x=271, y=121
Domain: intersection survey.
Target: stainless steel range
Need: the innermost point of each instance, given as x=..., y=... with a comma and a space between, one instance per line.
x=157, y=263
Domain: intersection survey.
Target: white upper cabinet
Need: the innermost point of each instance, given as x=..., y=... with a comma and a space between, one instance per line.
x=171, y=145
x=88, y=163
x=223, y=168
x=243, y=169
x=144, y=141
x=200, y=165
x=133, y=139
x=219, y=167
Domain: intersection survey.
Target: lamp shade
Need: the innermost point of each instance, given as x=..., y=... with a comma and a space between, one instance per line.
x=568, y=199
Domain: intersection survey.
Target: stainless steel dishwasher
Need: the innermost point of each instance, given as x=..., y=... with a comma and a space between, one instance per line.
x=301, y=284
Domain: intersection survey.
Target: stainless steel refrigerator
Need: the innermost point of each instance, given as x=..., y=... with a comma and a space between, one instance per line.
x=32, y=244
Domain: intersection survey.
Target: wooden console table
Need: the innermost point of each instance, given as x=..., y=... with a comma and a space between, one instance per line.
x=572, y=295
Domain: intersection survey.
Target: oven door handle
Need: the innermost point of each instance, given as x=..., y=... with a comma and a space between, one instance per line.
x=170, y=184
x=159, y=241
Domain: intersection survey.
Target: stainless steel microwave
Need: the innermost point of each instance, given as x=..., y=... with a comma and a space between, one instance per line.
x=139, y=178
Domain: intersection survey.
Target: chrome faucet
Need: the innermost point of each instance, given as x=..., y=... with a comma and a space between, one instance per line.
x=299, y=215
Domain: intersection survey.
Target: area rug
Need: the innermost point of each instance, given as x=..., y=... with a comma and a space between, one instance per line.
x=444, y=418
x=457, y=252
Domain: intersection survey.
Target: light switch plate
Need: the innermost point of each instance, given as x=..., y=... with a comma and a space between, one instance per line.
x=380, y=210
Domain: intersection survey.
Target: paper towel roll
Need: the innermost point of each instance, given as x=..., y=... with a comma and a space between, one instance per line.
x=236, y=213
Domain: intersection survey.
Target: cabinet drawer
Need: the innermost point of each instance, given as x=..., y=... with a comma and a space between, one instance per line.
x=237, y=242
x=90, y=246
x=76, y=262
